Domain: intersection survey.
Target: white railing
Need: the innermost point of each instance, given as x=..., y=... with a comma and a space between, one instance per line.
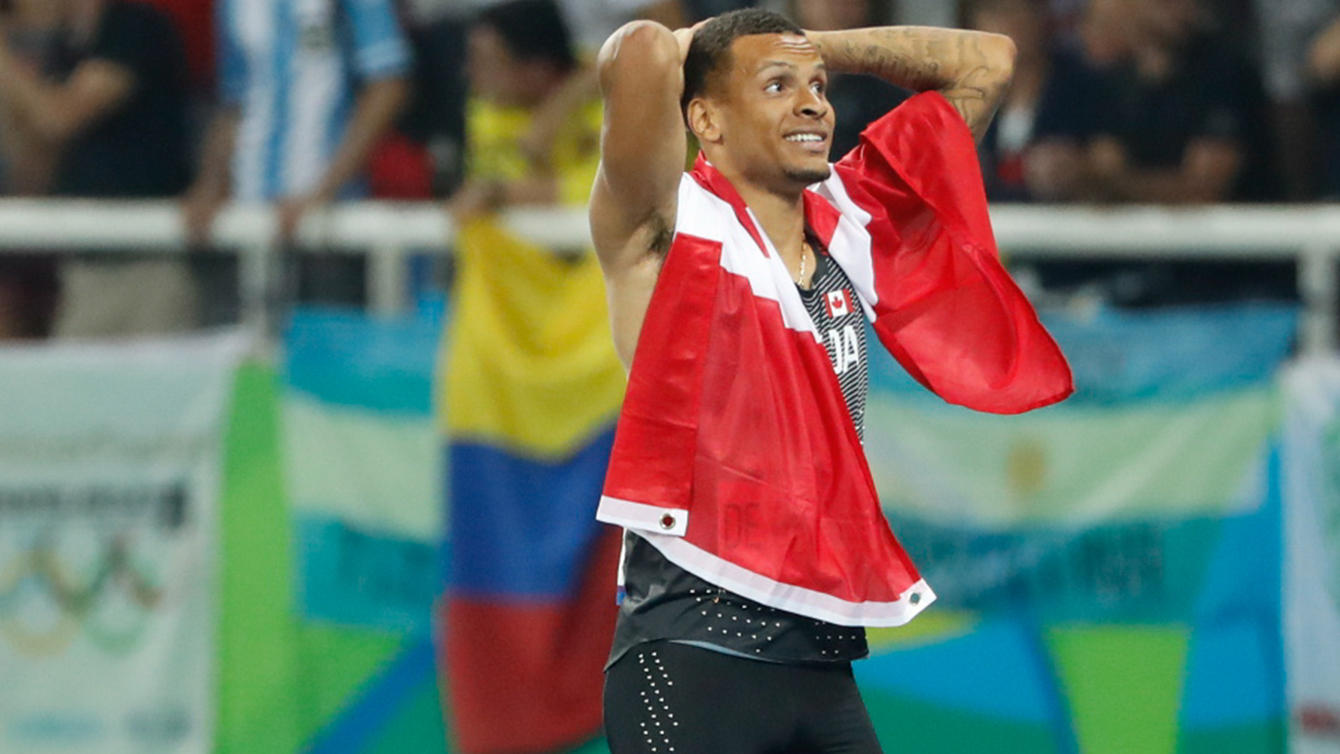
x=390, y=232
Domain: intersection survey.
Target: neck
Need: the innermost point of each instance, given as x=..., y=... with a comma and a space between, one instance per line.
x=780, y=211
x=780, y=216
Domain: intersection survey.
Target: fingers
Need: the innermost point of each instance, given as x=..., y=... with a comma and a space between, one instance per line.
x=684, y=36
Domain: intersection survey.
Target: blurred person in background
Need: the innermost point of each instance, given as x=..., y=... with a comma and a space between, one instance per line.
x=1104, y=32
x=113, y=108
x=420, y=156
x=532, y=391
x=1034, y=149
x=1182, y=120
x=858, y=100
x=437, y=30
x=1322, y=78
x=1304, y=110
x=28, y=285
x=589, y=22
x=195, y=22
x=32, y=31
x=306, y=90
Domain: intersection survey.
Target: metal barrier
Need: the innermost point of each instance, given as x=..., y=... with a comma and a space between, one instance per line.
x=389, y=232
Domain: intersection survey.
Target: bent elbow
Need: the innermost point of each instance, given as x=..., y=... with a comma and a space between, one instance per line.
x=1000, y=52
x=639, y=45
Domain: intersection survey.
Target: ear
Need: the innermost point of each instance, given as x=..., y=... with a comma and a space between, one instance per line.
x=704, y=119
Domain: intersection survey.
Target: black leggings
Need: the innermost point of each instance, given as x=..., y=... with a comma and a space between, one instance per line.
x=671, y=698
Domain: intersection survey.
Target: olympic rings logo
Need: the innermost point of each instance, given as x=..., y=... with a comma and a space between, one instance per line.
x=45, y=604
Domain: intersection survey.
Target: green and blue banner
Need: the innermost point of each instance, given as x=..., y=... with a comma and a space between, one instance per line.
x=1108, y=569
x=363, y=476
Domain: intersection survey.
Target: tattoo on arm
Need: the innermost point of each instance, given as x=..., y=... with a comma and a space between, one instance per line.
x=953, y=62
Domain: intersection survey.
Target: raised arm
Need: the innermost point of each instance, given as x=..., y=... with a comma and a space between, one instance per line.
x=972, y=69
x=642, y=151
x=643, y=142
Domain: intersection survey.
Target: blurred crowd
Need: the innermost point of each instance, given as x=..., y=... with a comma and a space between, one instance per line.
x=480, y=103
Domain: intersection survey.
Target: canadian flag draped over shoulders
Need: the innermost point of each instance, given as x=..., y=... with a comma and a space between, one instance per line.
x=735, y=455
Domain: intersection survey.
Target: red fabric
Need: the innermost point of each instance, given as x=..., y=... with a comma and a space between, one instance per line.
x=946, y=308
x=656, y=447
x=793, y=510
x=534, y=672
x=740, y=420
x=400, y=168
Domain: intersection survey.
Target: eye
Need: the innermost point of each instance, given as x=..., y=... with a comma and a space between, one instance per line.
x=818, y=87
x=773, y=87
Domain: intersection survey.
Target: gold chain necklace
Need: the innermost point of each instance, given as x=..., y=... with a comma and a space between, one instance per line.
x=803, y=247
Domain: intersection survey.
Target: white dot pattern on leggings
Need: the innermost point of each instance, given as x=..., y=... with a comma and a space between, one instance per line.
x=660, y=720
x=685, y=608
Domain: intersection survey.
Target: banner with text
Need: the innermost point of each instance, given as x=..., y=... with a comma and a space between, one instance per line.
x=110, y=458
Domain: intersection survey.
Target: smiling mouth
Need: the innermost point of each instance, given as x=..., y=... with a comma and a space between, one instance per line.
x=806, y=138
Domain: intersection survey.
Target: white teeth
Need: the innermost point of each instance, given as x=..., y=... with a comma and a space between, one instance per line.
x=805, y=137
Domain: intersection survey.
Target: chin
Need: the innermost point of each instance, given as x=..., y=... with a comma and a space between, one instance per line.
x=809, y=175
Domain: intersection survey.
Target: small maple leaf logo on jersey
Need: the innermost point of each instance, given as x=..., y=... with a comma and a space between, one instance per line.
x=839, y=305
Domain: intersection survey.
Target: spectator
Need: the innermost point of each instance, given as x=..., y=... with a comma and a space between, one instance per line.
x=1322, y=74
x=438, y=31
x=1105, y=30
x=1185, y=117
x=1034, y=149
x=27, y=281
x=857, y=100
x=306, y=91
x=194, y=20
x=1287, y=28
x=421, y=157
x=1182, y=122
x=31, y=29
x=114, y=109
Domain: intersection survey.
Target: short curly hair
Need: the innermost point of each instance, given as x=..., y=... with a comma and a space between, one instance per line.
x=709, y=53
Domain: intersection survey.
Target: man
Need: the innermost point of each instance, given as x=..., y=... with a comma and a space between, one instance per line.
x=113, y=110
x=756, y=549
x=307, y=89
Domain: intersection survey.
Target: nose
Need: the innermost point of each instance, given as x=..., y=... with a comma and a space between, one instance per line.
x=813, y=104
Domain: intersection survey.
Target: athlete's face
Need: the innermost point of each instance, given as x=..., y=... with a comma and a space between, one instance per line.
x=772, y=116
